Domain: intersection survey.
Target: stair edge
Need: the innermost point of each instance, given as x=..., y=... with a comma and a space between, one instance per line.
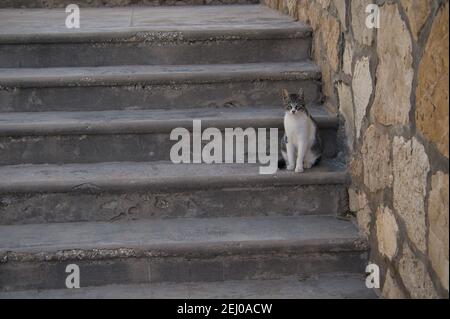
x=139, y=75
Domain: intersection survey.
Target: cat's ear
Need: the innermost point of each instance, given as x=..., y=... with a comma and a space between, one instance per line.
x=301, y=96
x=285, y=95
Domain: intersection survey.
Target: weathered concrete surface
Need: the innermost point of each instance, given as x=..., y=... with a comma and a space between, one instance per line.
x=164, y=176
x=265, y=227
x=110, y=136
x=22, y=242
x=178, y=250
x=113, y=3
x=272, y=265
x=149, y=121
x=124, y=191
x=228, y=48
x=130, y=36
x=341, y=286
x=140, y=147
x=29, y=25
x=133, y=205
x=149, y=87
x=155, y=74
x=137, y=96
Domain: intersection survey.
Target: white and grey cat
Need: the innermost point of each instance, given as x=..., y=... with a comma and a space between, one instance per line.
x=301, y=146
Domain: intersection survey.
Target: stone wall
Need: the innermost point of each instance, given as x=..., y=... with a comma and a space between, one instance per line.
x=390, y=86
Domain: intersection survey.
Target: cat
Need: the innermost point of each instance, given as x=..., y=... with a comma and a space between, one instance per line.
x=301, y=147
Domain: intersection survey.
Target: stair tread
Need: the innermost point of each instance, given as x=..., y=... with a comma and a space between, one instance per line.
x=158, y=74
x=179, y=236
x=24, y=26
x=100, y=177
x=335, y=286
x=189, y=238
x=149, y=121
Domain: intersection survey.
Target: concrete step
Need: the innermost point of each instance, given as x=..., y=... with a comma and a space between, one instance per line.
x=178, y=250
x=110, y=136
x=151, y=36
x=123, y=191
x=149, y=87
x=326, y=286
x=115, y=3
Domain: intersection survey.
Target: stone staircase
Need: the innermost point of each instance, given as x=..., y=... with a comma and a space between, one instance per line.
x=85, y=175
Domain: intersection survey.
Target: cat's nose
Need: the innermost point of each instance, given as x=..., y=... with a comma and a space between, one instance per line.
x=293, y=111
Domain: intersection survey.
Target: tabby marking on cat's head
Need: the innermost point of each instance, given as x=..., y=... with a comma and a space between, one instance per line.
x=294, y=103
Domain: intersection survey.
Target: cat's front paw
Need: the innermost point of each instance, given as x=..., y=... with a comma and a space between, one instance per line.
x=290, y=167
x=299, y=169
x=308, y=165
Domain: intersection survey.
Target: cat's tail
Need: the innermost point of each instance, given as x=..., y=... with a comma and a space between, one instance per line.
x=281, y=163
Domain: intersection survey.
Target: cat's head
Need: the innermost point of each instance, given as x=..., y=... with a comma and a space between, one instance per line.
x=294, y=103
